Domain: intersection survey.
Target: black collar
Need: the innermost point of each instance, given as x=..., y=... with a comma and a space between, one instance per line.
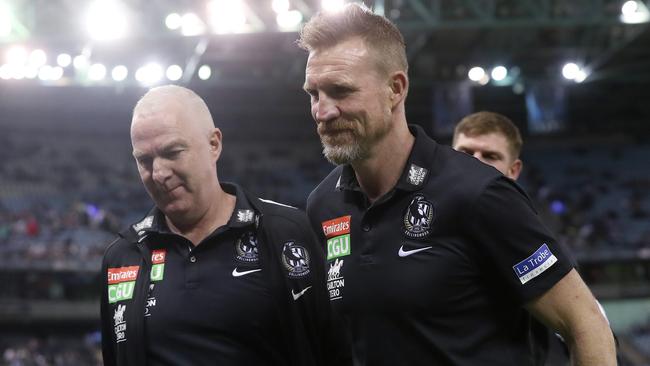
x=416, y=172
x=243, y=215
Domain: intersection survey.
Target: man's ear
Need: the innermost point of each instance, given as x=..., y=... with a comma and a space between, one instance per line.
x=215, y=143
x=399, y=85
x=515, y=169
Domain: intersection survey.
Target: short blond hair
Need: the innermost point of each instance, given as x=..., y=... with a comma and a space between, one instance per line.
x=327, y=29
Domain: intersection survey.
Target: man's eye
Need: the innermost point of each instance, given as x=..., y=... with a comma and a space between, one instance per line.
x=173, y=154
x=341, y=91
x=143, y=161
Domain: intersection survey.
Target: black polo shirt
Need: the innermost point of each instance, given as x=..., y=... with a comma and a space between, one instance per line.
x=436, y=272
x=211, y=304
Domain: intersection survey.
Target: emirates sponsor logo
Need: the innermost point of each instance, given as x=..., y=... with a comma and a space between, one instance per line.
x=337, y=226
x=158, y=256
x=122, y=274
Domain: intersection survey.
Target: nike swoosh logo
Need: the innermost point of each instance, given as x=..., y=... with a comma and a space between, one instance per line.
x=406, y=253
x=236, y=273
x=296, y=296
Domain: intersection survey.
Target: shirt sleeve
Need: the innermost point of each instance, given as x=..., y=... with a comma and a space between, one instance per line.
x=514, y=241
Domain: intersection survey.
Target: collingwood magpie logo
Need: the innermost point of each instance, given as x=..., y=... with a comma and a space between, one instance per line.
x=418, y=218
x=246, y=248
x=295, y=259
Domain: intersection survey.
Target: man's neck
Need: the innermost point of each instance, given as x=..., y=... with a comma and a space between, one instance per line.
x=378, y=174
x=218, y=214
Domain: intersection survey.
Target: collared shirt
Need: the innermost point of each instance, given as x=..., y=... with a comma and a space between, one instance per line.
x=211, y=304
x=436, y=272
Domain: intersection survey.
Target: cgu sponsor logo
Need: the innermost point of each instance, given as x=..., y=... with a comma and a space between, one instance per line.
x=338, y=246
x=337, y=226
x=121, y=283
x=120, y=291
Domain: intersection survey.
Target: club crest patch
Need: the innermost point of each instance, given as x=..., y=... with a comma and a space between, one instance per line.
x=418, y=219
x=417, y=175
x=245, y=216
x=146, y=223
x=295, y=259
x=246, y=248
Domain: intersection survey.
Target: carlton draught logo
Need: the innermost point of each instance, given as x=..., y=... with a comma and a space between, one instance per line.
x=158, y=264
x=337, y=232
x=121, y=283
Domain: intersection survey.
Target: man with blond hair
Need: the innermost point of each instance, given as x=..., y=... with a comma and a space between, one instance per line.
x=434, y=258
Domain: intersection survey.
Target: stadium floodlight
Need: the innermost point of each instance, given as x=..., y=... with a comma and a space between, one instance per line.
x=80, y=62
x=476, y=73
x=148, y=74
x=5, y=72
x=280, y=6
x=332, y=5
x=119, y=73
x=634, y=12
x=192, y=25
x=97, y=72
x=581, y=75
x=227, y=16
x=629, y=7
x=499, y=73
x=16, y=55
x=174, y=73
x=37, y=58
x=31, y=72
x=205, y=72
x=105, y=20
x=173, y=21
x=63, y=60
x=18, y=72
x=56, y=73
x=570, y=70
x=45, y=73
x=5, y=20
x=290, y=20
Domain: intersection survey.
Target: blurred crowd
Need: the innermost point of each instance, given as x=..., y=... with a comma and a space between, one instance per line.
x=50, y=351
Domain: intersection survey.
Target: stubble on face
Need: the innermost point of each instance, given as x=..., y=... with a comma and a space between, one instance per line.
x=362, y=123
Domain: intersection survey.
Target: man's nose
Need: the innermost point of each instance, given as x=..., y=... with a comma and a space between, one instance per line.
x=161, y=171
x=325, y=109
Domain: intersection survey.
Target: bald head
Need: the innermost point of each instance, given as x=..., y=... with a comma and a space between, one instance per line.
x=176, y=147
x=185, y=104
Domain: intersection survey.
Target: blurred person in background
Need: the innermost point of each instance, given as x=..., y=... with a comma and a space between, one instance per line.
x=491, y=138
x=495, y=140
x=210, y=275
x=434, y=258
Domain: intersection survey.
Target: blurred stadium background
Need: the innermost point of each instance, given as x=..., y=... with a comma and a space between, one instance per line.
x=574, y=75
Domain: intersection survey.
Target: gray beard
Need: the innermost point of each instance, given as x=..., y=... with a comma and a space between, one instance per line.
x=339, y=155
